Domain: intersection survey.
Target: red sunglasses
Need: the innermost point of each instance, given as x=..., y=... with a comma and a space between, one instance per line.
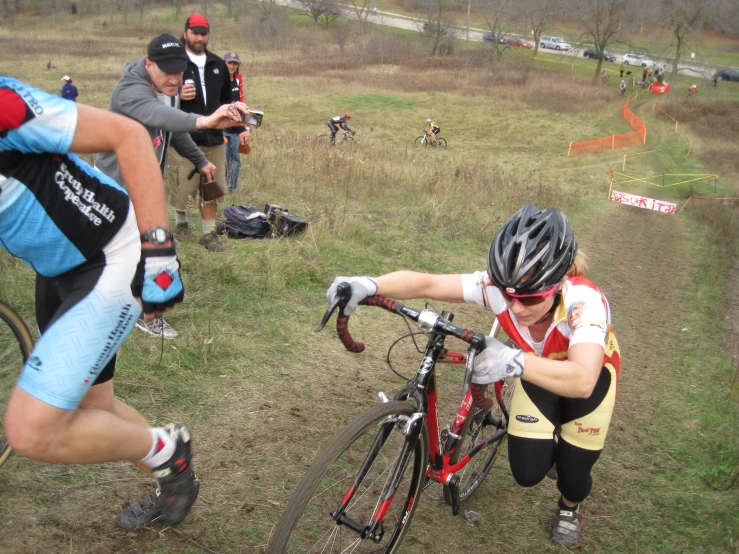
x=532, y=299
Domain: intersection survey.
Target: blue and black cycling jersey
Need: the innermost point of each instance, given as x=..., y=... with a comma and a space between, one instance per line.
x=56, y=212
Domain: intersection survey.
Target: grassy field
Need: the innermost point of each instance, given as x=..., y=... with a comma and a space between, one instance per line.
x=262, y=393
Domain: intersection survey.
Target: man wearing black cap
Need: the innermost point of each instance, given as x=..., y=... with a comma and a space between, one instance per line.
x=207, y=86
x=147, y=93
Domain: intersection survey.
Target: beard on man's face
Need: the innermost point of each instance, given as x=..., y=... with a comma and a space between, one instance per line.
x=197, y=47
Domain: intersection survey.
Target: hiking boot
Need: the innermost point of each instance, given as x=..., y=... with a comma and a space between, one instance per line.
x=176, y=492
x=157, y=327
x=566, y=527
x=182, y=232
x=211, y=242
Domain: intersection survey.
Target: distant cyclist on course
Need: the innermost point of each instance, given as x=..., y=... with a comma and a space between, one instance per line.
x=432, y=129
x=335, y=122
x=566, y=355
x=97, y=262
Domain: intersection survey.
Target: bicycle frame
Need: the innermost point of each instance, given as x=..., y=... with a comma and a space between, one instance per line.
x=422, y=389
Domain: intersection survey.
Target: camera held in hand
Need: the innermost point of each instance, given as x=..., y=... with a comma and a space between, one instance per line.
x=253, y=117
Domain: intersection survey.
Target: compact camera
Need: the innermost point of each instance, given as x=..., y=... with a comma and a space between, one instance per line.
x=253, y=117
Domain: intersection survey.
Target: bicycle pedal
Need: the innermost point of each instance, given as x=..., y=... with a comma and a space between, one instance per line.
x=472, y=518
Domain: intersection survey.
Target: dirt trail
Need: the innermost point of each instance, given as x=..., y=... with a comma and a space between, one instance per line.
x=250, y=462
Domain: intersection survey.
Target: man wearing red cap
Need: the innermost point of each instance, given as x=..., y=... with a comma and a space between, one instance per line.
x=207, y=86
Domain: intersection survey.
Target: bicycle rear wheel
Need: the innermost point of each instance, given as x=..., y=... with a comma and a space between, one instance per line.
x=307, y=525
x=440, y=142
x=16, y=344
x=480, y=426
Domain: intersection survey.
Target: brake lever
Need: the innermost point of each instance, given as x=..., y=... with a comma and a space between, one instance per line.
x=327, y=315
x=343, y=295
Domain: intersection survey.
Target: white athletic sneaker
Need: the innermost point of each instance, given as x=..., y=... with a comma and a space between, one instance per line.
x=157, y=327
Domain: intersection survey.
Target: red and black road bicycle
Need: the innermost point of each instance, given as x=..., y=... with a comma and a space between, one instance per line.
x=362, y=490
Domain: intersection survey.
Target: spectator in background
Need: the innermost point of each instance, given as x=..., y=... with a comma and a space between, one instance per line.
x=644, y=74
x=147, y=93
x=233, y=158
x=69, y=91
x=623, y=87
x=622, y=69
x=207, y=87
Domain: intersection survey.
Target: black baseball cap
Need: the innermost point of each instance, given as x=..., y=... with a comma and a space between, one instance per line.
x=168, y=53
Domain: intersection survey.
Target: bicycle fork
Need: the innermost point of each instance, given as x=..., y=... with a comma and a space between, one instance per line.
x=412, y=428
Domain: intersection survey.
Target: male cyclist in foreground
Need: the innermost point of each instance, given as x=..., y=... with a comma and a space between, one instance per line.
x=97, y=263
x=567, y=358
x=432, y=129
x=335, y=122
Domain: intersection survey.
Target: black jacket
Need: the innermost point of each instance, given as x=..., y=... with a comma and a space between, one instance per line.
x=218, y=92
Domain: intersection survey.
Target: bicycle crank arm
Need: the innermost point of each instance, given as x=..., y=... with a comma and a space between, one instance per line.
x=453, y=486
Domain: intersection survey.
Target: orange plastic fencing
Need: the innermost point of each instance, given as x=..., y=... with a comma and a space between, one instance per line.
x=635, y=138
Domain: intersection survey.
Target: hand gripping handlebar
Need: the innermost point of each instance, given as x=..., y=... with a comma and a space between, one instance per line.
x=426, y=319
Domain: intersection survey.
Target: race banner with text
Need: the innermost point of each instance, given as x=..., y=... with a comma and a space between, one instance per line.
x=643, y=202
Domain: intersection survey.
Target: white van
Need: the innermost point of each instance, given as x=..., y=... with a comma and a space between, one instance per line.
x=554, y=42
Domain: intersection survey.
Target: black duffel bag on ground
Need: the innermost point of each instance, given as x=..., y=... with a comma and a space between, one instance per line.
x=244, y=222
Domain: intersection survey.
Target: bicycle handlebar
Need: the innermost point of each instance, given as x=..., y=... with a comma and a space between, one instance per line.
x=426, y=319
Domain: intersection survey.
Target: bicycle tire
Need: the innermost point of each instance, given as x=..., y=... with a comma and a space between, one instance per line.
x=420, y=142
x=479, y=427
x=16, y=345
x=440, y=142
x=307, y=524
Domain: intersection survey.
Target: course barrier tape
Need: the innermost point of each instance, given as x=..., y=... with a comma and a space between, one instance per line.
x=695, y=177
x=636, y=138
x=689, y=144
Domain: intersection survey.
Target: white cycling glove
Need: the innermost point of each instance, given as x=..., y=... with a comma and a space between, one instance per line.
x=362, y=287
x=496, y=362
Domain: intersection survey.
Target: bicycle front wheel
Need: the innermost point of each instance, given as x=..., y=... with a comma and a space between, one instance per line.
x=16, y=344
x=340, y=472
x=480, y=426
x=420, y=142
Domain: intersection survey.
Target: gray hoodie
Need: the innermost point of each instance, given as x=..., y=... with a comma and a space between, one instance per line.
x=135, y=97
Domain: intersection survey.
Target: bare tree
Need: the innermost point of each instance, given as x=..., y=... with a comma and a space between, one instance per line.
x=341, y=33
x=536, y=15
x=724, y=16
x=683, y=20
x=439, y=27
x=266, y=9
x=602, y=21
x=323, y=11
x=362, y=11
x=498, y=16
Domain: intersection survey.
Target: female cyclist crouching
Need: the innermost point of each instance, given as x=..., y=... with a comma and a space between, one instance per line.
x=567, y=357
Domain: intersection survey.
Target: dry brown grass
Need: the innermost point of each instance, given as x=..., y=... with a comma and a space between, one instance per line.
x=715, y=124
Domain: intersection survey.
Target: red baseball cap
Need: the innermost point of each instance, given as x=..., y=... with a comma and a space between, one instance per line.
x=197, y=23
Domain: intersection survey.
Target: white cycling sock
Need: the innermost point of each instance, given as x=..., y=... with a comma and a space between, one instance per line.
x=209, y=225
x=162, y=448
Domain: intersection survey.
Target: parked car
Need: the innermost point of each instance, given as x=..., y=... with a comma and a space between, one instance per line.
x=728, y=75
x=593, y=55
x=490, y=37
x=521, y=43
x=638, y=59
x=554, y=42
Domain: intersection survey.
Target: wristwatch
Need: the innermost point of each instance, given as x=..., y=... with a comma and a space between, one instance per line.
x=157, y=236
